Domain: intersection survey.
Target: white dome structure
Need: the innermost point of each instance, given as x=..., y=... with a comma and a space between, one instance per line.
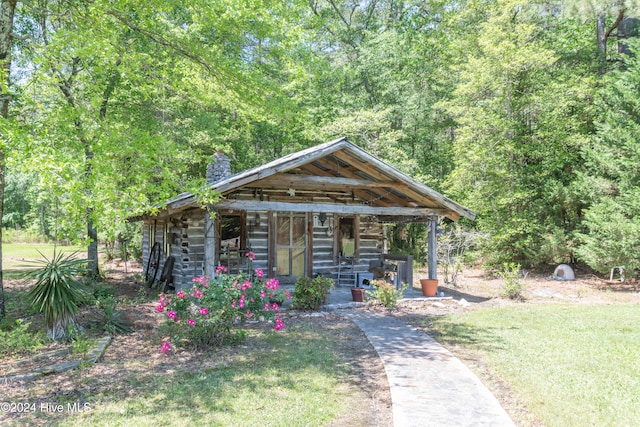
x=564, y=272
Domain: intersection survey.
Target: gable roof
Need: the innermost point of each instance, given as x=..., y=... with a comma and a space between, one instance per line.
x=349, y=179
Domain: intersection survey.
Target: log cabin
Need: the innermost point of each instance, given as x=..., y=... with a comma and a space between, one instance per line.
x=321, y=210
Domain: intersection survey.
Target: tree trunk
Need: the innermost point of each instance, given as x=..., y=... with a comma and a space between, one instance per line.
x=601, y=38
x=63, y=329
x=92, y=251
x=7, y=10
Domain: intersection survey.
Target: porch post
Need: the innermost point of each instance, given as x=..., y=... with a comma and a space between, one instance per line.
x=432, y=255
x=209, y=244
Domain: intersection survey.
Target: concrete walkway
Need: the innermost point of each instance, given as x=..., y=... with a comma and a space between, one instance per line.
x=429, y=385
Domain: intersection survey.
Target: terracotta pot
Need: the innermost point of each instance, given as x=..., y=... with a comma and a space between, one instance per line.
x=357, y=294
x=429, y=287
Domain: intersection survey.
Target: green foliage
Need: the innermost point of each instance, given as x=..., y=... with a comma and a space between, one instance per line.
x=513, y=281
x=611, y=232
x=501, y=116
x=81, y=345
x=310, y=294
x=523, y=110
x=57, y=292
x=205, y=315
x=408, y=239
x=113, y=323
x=10, y=235
x=17, y=338
x=387, y=293
x=101, y=291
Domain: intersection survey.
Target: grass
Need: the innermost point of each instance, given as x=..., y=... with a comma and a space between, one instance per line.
x=571, y=365
x=272, y=379
x=17, y=257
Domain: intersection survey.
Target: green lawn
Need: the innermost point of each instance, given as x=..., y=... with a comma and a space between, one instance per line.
x=272, y=379
x=571, y=365
x=18, y=257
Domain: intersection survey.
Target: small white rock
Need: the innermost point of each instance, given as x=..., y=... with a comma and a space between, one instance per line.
x=463, y=302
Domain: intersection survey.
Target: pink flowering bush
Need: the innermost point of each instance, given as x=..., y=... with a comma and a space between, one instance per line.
x=206, y=314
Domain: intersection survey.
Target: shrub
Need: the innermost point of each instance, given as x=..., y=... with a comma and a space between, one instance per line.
x=513, y=281
x=113, y=324
x=18, y=339
x=310, y=293
x=387, y=293
x=205, y=315
x=58, y=293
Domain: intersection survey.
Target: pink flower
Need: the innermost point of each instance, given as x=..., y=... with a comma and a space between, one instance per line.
x=199, y=293
x=191, y=322
x=287, y=294
x=247, y=314
x=159, y=308
x=204, y=311
x=272, y=284
x=262, y=294
x=172, y=315
x=233, y=304
x=259, y=272
x=279, y=324
x=266, y=307
x=166, y=346
x=250, y=255
x=201, y=279
x=275, y=306
x=220, y=269
x=181, y=294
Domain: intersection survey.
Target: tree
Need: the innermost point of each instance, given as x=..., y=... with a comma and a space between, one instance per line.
x=521, y=116
x=121, y=109
x=615, y=22
x=7, y=12
x=612, y=221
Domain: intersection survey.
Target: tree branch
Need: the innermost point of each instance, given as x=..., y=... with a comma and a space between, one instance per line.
x=111, y=85
x=615, y=24
x=162, y=41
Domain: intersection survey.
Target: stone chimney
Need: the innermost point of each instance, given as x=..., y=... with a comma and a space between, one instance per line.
x=219, y=168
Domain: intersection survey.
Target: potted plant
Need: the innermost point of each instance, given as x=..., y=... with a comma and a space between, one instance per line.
x=357, y=293
x=429, y=287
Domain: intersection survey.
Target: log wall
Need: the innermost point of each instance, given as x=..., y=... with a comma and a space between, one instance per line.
x=185, y=236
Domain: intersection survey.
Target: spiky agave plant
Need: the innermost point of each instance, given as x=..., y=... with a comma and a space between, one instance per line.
x=57, y=292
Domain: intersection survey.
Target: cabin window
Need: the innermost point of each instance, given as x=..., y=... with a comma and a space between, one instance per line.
x=291, y=242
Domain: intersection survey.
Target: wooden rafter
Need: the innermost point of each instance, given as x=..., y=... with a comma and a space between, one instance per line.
x=363, y=195
x=379, y=196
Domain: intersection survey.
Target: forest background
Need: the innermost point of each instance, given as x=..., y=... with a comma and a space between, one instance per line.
x=527, y=112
